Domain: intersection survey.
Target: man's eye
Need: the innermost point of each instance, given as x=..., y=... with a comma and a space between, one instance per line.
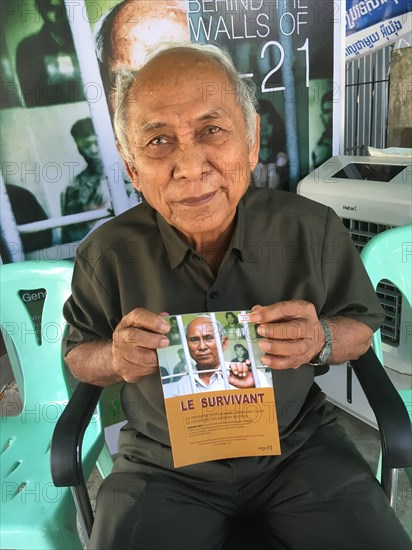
x=160, y=140
x=212, y=129
x=209, y=338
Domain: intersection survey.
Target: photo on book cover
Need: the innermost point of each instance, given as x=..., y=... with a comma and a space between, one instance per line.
x=211, y=352
x=219, y=398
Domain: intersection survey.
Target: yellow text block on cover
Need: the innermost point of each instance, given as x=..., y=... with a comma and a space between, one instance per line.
x=222, y=424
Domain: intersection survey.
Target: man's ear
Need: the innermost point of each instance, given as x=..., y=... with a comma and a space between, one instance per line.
x=225, y=342
x=130, y=168
x=254, y=150
x=133, y=174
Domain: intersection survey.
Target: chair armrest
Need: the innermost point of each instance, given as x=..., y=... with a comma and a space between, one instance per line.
x=65, y=452
x=390, y=411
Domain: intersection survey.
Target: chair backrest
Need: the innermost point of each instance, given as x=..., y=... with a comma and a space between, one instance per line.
x=388, y=256
x=32, y=324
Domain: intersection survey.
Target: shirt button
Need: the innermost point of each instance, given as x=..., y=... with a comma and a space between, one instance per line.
x=195, y=257
x=214, y=295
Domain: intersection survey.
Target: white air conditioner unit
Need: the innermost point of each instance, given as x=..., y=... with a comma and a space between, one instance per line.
x=372, y=189
x=370, y=194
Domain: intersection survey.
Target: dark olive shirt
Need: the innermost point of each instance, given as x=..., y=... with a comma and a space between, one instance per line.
x=284, y=247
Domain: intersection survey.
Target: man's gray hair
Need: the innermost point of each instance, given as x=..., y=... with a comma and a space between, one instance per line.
x=244, y=89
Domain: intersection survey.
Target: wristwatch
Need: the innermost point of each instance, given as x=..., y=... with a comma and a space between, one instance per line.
x=325, y=352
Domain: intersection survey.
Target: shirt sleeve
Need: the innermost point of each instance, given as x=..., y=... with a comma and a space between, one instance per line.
x=89, y=310
x=348, y=290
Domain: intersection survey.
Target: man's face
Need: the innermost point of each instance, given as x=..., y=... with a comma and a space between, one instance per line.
x=230, y=318
x=138, y=27
x=202, y=343
x=241, y=353
x=327, y=115
x=266, y=130
x=187, y=139
x=54, y=15
x=89, y=148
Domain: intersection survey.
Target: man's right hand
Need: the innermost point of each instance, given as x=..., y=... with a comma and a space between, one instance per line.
x=134, y=344
x=240, y=375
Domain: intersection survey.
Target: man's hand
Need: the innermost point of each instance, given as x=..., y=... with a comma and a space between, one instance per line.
x=240, y=375
x=134, y=344
x=291, y=333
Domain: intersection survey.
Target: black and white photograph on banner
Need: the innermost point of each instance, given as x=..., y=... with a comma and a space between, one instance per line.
x=46, y=60
x=321, y=121
x=51, y=160
x=87, y=190
x=58, y=163
x=126, y=31
x=272, y=169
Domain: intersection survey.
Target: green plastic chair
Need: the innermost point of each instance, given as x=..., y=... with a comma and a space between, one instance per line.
x=388, y=256
x=35, y=513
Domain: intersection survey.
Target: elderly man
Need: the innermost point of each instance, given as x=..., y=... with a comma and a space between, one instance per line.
x=201, y=340
x=202, y=241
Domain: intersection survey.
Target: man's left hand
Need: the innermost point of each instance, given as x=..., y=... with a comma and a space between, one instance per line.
x=291, y=333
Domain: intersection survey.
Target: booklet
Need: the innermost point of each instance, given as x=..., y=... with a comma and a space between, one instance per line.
x=219, y=398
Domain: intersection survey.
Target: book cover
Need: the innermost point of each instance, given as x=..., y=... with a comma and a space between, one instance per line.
x=219, y=398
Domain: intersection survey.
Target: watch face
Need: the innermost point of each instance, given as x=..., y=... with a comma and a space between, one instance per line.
x=327, y=348
x=325, y=353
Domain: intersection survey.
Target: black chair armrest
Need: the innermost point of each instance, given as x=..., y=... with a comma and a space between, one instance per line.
x=392, y=418
x=390, y=410
x=65, y=452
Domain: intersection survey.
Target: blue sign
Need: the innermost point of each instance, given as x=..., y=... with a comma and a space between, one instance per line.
x=361, y=14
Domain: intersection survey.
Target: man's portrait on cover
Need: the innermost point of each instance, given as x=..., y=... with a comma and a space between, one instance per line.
x=205, y=373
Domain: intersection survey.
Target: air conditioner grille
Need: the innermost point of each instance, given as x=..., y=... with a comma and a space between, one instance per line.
x=362, y=232
x=389, y=296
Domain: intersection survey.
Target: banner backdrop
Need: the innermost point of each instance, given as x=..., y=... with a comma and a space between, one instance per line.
x=285, y=46
x=373, y=24
x=55, y=178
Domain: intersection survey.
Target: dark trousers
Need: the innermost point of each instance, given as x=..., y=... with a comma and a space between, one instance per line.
x=322, y=496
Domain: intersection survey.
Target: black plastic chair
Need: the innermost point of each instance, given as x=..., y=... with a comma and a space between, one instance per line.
x=390, y=411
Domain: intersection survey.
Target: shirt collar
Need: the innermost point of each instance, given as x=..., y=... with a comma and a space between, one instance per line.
x=177, y=249
x=175, y=246
x=215, y=376
x=238, y=239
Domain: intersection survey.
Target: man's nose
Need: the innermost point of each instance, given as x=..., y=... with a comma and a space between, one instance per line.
x=202, y=343
x=94, y=149
x=190, y=162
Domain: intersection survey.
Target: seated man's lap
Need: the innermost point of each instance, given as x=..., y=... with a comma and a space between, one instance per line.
x=323, y=493
x=326, y=496
x=155, y=512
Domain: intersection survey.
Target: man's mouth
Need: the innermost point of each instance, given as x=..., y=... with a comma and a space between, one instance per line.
x=204, y=355
x=201, y=200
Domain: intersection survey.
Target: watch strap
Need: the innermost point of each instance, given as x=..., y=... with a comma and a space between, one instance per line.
x=326, y=350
